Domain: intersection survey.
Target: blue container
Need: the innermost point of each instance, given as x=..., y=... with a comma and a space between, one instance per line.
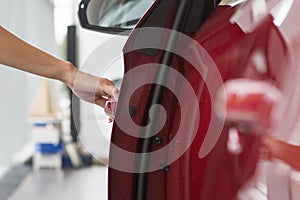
x=49, y=148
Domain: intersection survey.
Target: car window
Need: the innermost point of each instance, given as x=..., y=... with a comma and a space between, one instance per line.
x=118, y=13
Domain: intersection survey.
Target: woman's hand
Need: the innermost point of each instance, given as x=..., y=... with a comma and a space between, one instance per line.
x=91, y=88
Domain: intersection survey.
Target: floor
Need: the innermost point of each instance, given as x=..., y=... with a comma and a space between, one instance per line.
x=89, y=183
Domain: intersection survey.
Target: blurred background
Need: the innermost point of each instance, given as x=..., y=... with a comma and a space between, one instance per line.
x=53, y=26
x=38, y=23
x=44, y=24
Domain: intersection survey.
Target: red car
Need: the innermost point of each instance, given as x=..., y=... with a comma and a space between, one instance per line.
x=174, y=137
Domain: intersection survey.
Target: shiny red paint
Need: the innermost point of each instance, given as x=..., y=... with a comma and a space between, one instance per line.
x=221, y=173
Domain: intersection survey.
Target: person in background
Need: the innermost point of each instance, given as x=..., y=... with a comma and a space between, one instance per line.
x=20, y=55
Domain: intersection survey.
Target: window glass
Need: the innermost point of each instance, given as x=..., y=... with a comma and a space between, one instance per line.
x=117, y=13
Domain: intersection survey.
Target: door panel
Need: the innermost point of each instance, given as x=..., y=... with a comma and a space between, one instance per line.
x=221, y=173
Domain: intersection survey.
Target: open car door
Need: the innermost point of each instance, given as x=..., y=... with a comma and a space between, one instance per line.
x=166, y=163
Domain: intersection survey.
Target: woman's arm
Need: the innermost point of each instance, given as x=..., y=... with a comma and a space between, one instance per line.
x=18, y=54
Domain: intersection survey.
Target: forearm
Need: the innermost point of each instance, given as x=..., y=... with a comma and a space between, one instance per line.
x=20, y=55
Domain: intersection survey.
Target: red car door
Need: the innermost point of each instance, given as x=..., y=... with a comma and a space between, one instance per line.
x=136, y=173
x=189, y=156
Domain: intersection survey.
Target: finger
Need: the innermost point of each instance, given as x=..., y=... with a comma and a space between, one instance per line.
x=108, y=90
x=110, y=120
x=111, y=91
x=105, y=87
x=115, y=93
x=100, y=101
